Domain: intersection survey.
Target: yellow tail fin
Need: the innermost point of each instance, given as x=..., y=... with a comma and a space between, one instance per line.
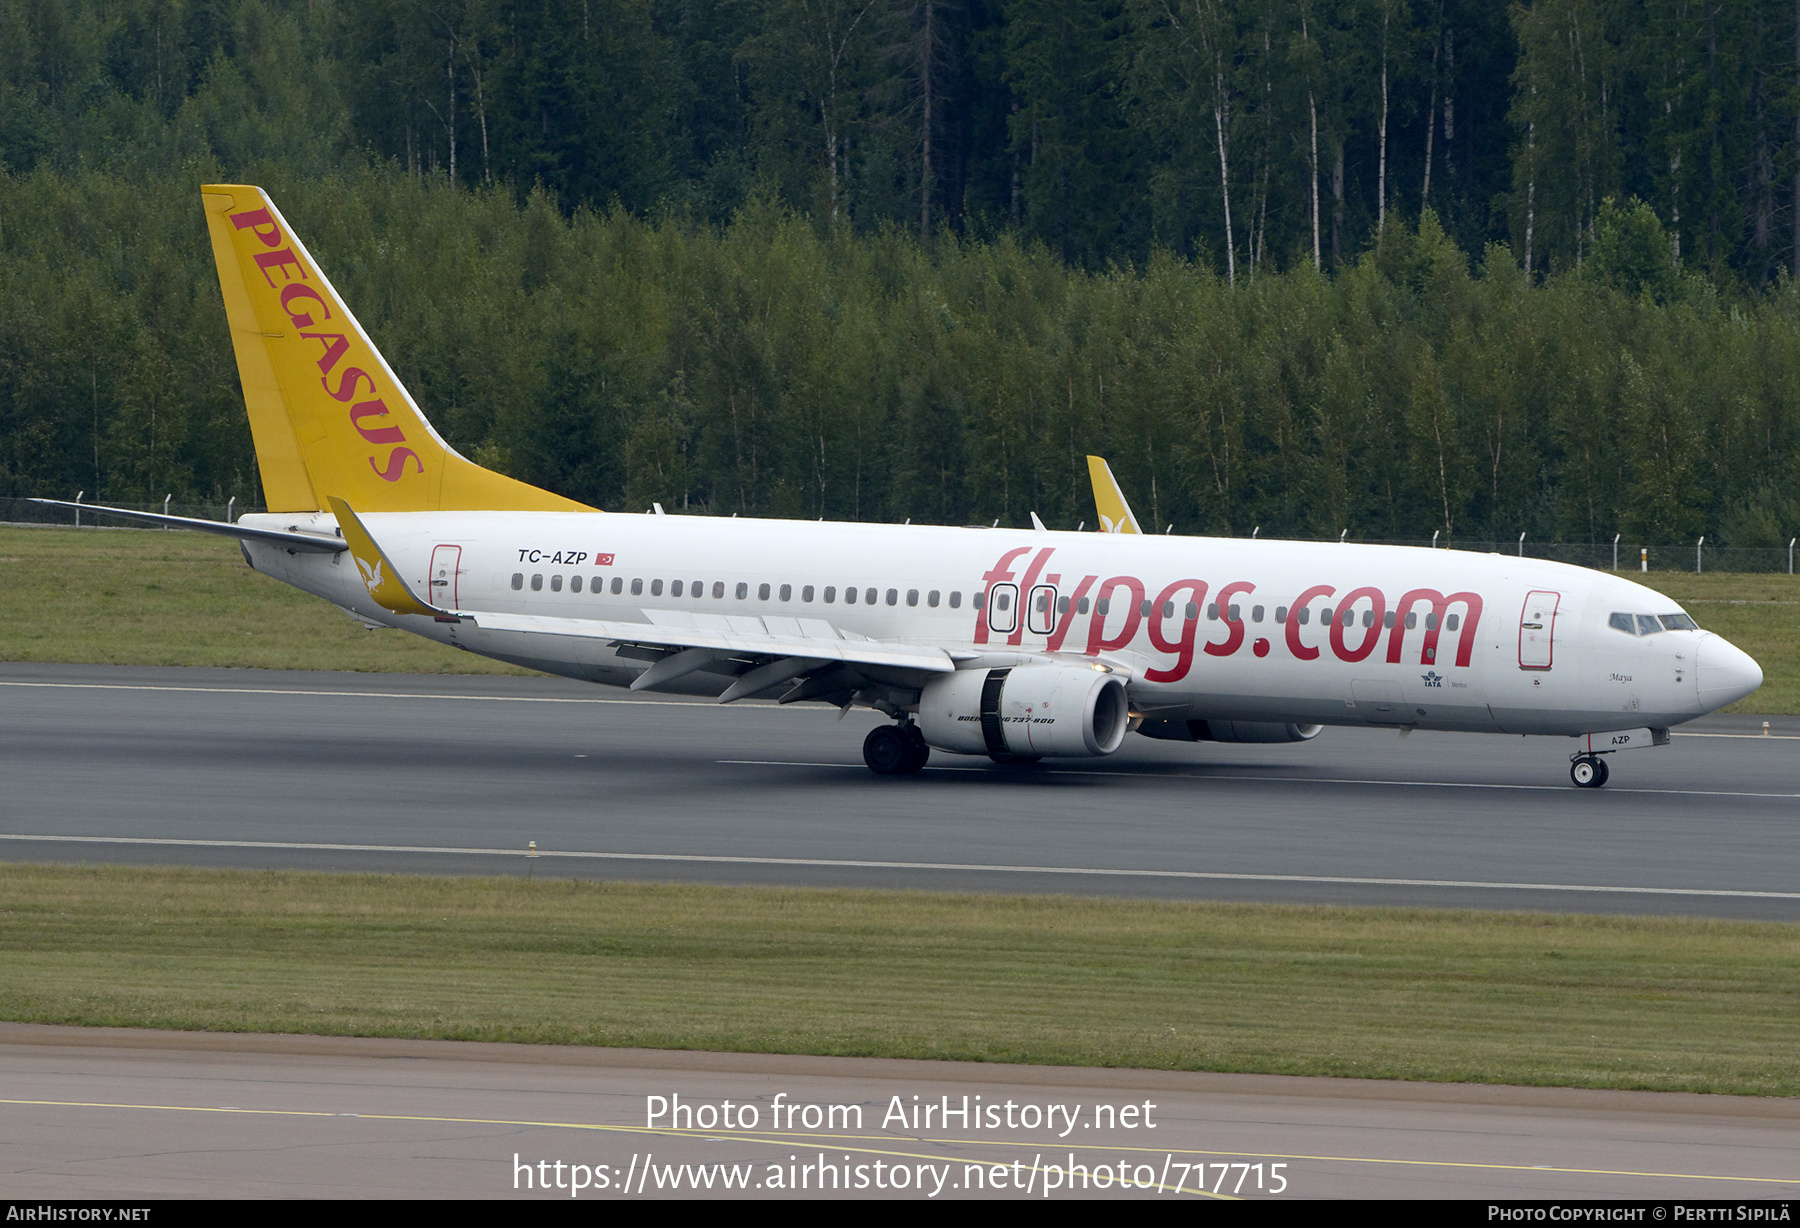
x=1115, y=513
x=328, y=415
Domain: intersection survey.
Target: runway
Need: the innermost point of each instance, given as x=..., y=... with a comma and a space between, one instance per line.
x=112, y=1113
x=462, y=775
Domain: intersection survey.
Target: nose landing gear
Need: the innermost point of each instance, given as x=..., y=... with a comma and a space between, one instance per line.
x=1588, y=771
x=895, y=750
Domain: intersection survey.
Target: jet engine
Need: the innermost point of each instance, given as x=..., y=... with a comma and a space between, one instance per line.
x=1228, y=731
x=1026, y=712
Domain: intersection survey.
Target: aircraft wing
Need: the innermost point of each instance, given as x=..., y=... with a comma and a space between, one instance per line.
x=763, y=652
x=717, y=637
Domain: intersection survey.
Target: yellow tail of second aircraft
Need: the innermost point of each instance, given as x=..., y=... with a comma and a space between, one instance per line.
x=328, y=416
x=1115, y=513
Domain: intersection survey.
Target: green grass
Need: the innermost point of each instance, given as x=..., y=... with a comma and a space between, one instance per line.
x=136, y=597
x=1760, y=613
x=1672, y=1004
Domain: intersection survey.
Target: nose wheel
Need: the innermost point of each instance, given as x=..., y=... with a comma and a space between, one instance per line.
x=1588, y=771
x=895, y=750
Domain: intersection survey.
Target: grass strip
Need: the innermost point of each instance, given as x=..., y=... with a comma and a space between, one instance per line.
x=138, y=597
x=1520, y=998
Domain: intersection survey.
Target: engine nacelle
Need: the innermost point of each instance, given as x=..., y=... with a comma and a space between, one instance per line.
x=1228, y=731
x=1027, y=712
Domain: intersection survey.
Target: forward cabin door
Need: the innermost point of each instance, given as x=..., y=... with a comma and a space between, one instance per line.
x=446, y=563
x=1537, y=630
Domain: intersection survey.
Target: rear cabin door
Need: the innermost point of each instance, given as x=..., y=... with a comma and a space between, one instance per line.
x=1537, y=630
x=446, y=561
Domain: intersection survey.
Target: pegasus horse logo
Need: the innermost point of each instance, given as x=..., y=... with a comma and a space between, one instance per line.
x=371, y=576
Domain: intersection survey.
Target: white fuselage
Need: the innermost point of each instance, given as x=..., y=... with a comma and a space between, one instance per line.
x=1435, y=639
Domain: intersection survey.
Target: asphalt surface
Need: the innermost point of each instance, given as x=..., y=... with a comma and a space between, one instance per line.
x=460, y=775
x=110, y=1113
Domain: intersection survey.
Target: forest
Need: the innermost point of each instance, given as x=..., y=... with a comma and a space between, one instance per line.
x=1298, y=267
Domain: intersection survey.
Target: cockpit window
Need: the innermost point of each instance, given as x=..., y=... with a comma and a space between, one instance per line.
x=1647, y=624
x=1679, y=622
x=1623, y=622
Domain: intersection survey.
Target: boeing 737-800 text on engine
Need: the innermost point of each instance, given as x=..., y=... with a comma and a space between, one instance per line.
x=1013, y=644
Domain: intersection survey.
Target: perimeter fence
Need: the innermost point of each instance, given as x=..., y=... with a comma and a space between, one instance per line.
x=1623, y=556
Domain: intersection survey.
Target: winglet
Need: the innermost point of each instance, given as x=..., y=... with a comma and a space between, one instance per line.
x=383, y=580
x=1115, y=513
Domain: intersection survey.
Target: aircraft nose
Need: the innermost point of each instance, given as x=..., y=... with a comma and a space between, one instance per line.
x=1726, y=673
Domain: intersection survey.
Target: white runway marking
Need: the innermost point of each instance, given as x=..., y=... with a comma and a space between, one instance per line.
x=1299, y=780
x=835, y=863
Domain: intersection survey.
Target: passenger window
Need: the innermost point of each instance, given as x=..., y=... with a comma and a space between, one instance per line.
x=955, y=598
x=1431, y=621
x=1103, y=606
x=1368, y=618
x=537, y=583
x=556, y=584
x=1451, y=622
x=675, y=589
x=830, y=593
x=806, y=594
x=519, y=583
x=1081, y=607
x=743, y=591
x=1387, y=620
x=893, y=596
x=1618, y=622
x=869, y=597
x=849, y=596
x=1346, y=616
x=719, y=590
x=787, y=592
x=1168, y=609
x=1281, y=614
x=1647, y=624
x=1412, y=620
x=574, y=584
x=912, y=596
x=1231, y=615
x=699, y=589
x=976, y=599
x=1143, y=609
x=1062, y=605
x=1212, y=612
x=1192, y=612
x=1256, y=613
x=1304, y=614
x=656, y=588
x=931, y=599
x=762, y=592
x=1005, y=600
x=637, y=586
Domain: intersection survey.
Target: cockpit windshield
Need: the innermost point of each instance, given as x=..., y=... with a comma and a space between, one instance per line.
x=1650, y=624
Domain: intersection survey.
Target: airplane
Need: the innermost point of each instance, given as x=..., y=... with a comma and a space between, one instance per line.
x=1015, y=644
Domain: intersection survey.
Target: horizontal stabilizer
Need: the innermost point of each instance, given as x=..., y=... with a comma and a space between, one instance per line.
x=307, y=542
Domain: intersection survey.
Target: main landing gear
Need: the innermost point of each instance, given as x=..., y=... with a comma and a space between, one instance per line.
x=895, y=750
x=1588, y=771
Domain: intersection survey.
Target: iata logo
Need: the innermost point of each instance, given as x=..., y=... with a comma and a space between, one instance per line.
x=1433, y=678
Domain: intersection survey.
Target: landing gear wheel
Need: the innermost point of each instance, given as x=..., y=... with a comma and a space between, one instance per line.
x=886, y=752
x=917, y=752
x=1588, y=772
